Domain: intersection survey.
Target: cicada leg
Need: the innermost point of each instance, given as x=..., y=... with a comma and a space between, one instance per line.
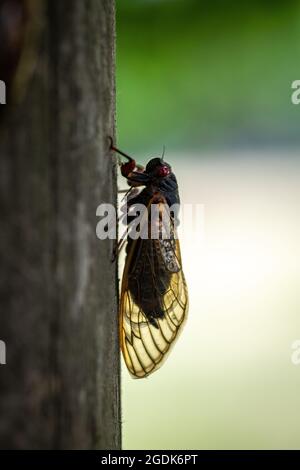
x=119, y=246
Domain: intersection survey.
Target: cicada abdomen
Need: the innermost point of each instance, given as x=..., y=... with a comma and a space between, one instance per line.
x=154, y=298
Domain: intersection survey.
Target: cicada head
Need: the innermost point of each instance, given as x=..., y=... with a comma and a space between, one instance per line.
x=154, y=174
x=158, y=168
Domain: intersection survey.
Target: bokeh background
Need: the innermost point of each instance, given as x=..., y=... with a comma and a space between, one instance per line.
x=212, y=82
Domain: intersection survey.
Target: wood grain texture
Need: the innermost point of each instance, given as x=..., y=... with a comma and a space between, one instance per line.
x=58, y=288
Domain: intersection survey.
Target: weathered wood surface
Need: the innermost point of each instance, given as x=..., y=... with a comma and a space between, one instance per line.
x=60, y=386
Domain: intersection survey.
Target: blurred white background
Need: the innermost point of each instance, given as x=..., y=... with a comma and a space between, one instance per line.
x=229, y=381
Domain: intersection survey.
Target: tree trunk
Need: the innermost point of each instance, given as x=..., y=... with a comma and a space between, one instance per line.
x=60, y=385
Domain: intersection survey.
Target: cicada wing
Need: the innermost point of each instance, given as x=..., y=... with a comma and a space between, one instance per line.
x=145, y=341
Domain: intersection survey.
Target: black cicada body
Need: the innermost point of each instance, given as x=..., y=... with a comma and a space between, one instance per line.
x=154, y=298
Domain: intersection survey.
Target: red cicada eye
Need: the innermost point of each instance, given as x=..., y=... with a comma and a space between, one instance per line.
x=163, y=170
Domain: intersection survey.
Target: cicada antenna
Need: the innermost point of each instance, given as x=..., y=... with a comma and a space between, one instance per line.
x=163, y=153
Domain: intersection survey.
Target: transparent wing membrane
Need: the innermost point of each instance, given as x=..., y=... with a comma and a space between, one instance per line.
x=153, y=304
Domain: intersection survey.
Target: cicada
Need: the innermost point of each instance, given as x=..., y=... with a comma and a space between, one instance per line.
x=154, y=297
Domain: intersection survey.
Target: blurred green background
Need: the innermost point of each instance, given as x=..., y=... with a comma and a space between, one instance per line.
x=197, y=74
x=212, y=82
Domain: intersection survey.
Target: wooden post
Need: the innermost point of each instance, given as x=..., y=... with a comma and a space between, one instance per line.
x=60, y=386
